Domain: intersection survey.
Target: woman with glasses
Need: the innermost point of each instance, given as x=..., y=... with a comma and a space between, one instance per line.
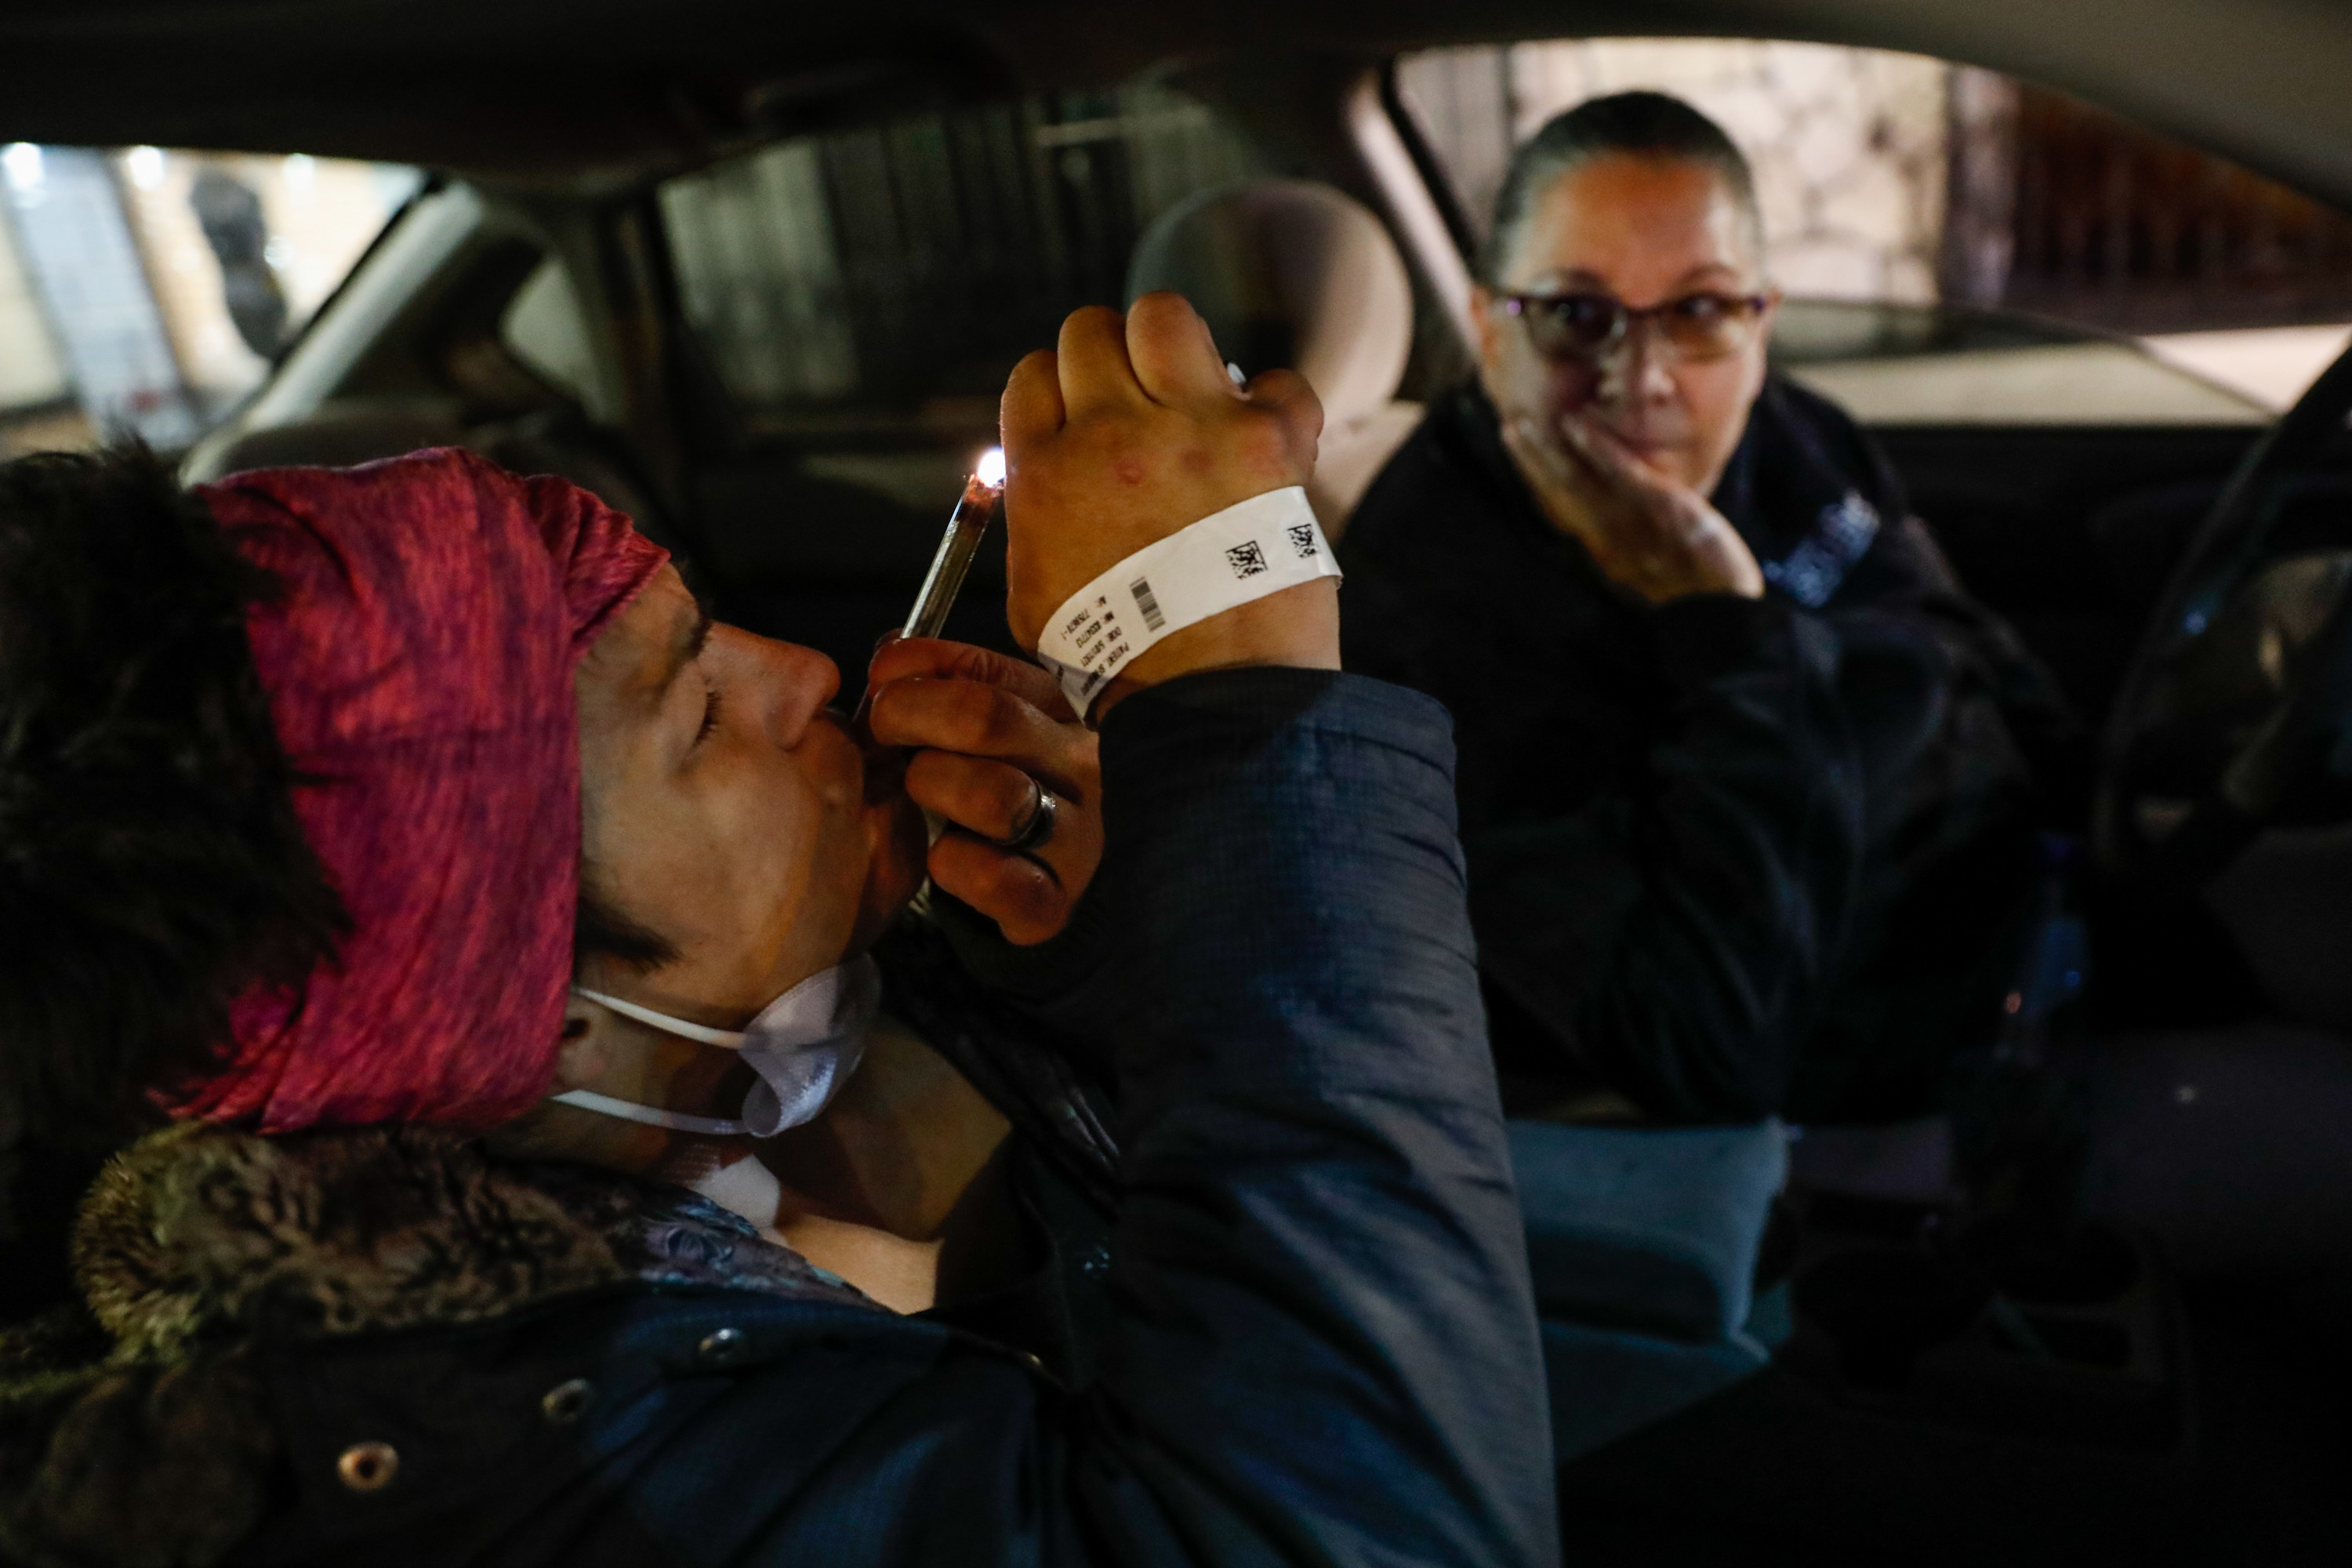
x=1745, y=773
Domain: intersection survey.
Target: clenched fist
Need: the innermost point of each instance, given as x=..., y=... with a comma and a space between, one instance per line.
x=1128, y=431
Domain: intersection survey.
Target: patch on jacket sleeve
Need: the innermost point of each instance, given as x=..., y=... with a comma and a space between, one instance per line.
x=1842, y=535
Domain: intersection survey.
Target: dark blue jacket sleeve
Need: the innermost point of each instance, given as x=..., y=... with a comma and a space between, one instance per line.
x=1327, y=1348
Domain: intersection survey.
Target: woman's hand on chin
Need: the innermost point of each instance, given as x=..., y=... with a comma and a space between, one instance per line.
x=1651, y=535
x=981, y=728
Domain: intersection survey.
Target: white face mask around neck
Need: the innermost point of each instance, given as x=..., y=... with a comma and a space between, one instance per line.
x=803, y=1045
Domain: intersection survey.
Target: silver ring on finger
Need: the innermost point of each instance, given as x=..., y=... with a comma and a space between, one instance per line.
x=1036, y=824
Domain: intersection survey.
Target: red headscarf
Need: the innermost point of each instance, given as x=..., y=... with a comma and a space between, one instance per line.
x=419, y=671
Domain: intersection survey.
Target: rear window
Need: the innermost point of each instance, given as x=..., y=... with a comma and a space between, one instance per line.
x=1912, y=200
x=146, y=290
x=902, y=270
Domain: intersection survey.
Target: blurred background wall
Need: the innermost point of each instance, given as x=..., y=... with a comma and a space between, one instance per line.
x=1889, y=176
x=147, y=291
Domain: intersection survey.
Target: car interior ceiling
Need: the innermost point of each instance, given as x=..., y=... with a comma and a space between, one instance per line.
x=574, y=92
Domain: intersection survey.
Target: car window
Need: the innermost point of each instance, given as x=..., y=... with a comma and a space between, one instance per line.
x=145, y=291
x=1956, y=365
x=2196, y=293
x=884, y=272
x=545, y=328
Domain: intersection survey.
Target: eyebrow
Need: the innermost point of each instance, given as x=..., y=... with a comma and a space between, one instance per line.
x=1703, y=268
x=1577, y=278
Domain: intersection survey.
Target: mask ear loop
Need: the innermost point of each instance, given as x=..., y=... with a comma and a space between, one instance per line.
x=655, y=1115
x=732, y=1039
x=846, y=1062
x=648, y=1115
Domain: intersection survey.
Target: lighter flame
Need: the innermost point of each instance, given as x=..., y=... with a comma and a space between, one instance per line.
x=991, y=469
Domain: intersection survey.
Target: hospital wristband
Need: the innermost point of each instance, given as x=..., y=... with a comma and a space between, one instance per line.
x=1229, y=558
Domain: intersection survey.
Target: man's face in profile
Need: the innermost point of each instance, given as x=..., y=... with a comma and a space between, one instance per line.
x=1643, y=231
x=724, y=807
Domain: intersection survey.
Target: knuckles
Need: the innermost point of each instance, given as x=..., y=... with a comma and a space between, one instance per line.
x=980, y=796
x=971, y=716
x=1122, y=475
x=1263, y=446
x=1142, y=459
x=1015, y=892
x=949, y=715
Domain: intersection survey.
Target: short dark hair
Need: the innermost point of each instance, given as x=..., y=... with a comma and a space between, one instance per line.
x=1631, y=124
x=151, y=866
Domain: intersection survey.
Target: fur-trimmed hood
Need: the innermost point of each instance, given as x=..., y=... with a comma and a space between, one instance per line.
x=132, y=1429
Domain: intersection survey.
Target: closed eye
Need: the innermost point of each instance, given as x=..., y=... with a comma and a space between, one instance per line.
x=709, y=716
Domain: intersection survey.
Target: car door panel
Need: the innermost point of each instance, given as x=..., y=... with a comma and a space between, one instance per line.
x=2068, y=532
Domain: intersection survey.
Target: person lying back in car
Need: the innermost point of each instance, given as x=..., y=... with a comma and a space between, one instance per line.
x=1744, y=773
x=460, y=1249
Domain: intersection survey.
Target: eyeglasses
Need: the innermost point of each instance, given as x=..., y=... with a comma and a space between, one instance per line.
x=1589, y=326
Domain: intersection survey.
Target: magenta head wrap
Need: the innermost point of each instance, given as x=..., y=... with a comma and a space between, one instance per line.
x=419, y=672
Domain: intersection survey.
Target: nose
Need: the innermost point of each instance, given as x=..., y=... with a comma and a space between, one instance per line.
x=794, y=683
x=1635, y=371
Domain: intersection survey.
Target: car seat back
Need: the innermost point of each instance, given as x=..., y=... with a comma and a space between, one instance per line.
x=1296, y=275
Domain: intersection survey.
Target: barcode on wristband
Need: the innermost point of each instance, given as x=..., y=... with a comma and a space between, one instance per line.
x=1227, y=559
x=1141, y=589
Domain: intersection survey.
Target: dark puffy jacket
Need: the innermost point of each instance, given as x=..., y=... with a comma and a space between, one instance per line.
x=1319, y=1343
x=1727, y=857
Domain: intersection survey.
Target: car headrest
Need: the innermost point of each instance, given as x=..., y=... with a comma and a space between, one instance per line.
x=1293, y=274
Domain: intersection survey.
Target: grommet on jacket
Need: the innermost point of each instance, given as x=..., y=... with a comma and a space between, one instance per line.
x=368, y=1466
x=567, y=1402
x=719, y=1347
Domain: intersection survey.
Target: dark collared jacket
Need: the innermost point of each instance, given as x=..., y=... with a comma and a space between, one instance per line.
x=1727, y=857
x=1313, y=1338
